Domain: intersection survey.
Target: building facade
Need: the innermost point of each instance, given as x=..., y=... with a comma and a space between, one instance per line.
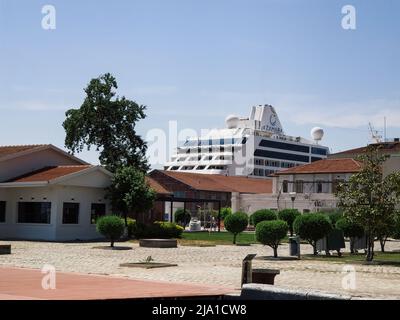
x=48, y=194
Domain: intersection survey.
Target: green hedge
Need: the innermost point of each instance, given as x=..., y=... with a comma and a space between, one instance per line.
x=159, y=229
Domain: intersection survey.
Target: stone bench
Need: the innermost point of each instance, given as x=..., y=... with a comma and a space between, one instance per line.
x=158, y=243
x=5, y=248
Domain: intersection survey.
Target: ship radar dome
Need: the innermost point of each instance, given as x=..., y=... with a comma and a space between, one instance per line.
x=232, y=121
x=317, y=133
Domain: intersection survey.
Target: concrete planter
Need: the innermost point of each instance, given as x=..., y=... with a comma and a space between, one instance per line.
x=5, y=248
x=158, y=243
x=264, y=276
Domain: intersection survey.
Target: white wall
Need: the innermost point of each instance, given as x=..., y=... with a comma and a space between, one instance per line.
x=55, y=231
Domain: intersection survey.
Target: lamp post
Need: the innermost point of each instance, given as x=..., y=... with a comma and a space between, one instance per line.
x=293, y=198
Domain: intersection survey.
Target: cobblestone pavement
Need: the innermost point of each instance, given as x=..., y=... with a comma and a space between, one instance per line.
x=219, y=265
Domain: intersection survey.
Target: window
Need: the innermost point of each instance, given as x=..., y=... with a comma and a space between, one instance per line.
x=284, y=146
x=285, y=186
x=34, y=212
x=2, y=211
x=281, y=155
x=98, y=210
x=70, y=213
x=335, y=184
x=319, y=187
x=320, y=151
x=299, y=186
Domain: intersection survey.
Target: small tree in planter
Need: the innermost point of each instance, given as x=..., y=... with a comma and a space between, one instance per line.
x=350, y=230
x=263, y=215
x=312, y=227
x=271, y=233
x=289, y=215
x=236, y=223
x=182, y=217
x=224, y=212
x=112, y=227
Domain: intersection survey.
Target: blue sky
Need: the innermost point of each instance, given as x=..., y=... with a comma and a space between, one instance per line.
x=195, y=61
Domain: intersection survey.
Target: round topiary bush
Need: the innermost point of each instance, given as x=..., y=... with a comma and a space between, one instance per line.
x=112, y=227
x=182, y=217
x=271, y=233
x=350, y=230
x=236, y=223
x=224, y=212
x=131, y=225
x=289, y=215
x=312, y=227
x=263, y=215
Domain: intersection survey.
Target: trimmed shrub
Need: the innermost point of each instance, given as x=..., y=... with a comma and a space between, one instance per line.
x=312, y=227
x=168, y=229
x=334, y=216
x=271, y=233
x=263, y=215
x=224, y=212
x=159, y=229
x=182, y=217
x=289, y=215
x=131, y=225
x=112, y=227
x=236, y=223
x=350, y=230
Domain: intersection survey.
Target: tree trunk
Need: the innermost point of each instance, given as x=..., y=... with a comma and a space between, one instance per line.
x=112, y=243
x=352, y=239
x=275, y=251
x=234, y=238
x=370, y=250
x=314, y=245
x=291, y=232
x=382, y=242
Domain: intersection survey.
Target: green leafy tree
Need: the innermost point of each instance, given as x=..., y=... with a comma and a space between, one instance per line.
x=289, y=215
x=370, y=198
x=224, y=212
x=236, y=223
x=263, y=215
x=312, y=227
x=271, y=233
x=182, y=217
x=107, y=122
x=112, y=227
x=129, y=192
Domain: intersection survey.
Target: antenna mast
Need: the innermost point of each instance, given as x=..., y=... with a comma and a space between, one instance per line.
x=376, y=137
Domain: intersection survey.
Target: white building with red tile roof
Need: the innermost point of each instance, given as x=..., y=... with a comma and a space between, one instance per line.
x=308, y=188
x=48, y=194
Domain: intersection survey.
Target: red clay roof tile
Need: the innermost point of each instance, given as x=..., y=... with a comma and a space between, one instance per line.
x=345, y=165
x=49, y=173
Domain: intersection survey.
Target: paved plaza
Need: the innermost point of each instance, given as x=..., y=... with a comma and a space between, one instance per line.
x=218, y=266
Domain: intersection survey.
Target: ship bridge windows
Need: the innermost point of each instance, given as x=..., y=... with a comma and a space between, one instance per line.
x=319, y=151
x=217, y=167
x=200, y=167
x=284, y=146
x=259, y=162
x=281, y=155
x=174, y=168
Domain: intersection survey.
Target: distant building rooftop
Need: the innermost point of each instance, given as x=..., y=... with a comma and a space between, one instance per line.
x=213, y=182
x=385, y=147
x=345, y=165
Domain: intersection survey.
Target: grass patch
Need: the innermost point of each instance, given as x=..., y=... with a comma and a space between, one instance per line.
x=380, y=258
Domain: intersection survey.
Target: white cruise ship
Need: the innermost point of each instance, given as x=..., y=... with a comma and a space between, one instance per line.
x=255, y=146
